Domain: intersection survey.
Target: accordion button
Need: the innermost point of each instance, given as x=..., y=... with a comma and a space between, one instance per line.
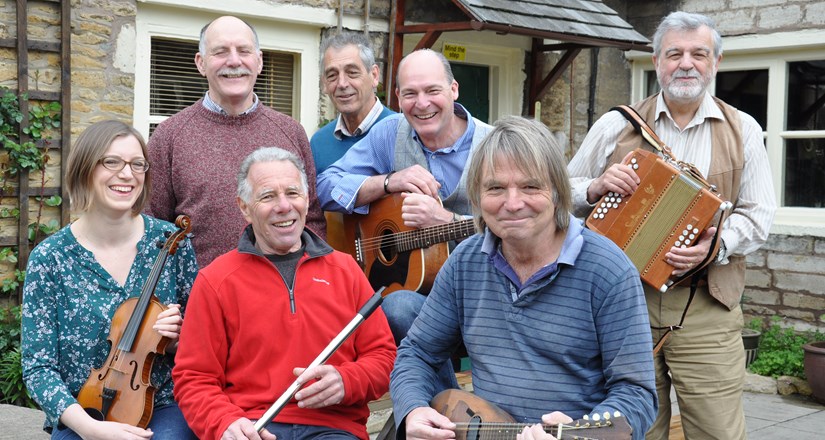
x=615, y=205
x=692, y=236
x=595, y=216
x=687, y=242
x=689, y=226
x=618, y=200
x=635, y=166
x=685, y=232
x=681, y=237
x=677, y=244
x=603, y=204
x=695, y=231
x=633, y=160
x=601, y=215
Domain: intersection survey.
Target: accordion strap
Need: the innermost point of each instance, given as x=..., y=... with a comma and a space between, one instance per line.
x=643, y=129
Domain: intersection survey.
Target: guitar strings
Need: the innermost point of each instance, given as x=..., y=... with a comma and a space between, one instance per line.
x=420, y=235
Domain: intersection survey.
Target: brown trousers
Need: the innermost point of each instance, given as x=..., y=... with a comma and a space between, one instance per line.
x=704, y=362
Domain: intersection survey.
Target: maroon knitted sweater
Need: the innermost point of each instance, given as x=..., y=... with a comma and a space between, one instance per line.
x=195, y=157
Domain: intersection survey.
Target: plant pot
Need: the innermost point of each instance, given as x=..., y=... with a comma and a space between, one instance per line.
x=750, y=339
x=815, y=369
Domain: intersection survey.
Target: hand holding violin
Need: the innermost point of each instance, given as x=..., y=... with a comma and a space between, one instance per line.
x=76, y=418
x=169, y=324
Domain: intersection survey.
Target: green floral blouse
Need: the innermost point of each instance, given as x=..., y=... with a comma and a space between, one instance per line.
x=68, y=304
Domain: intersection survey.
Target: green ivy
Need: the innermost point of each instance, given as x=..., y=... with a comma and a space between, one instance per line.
x=780, y=349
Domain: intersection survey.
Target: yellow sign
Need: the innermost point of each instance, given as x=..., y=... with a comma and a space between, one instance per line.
x=454, y=52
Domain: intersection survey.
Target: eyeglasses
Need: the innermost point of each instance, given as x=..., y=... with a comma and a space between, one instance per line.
x=114, y=163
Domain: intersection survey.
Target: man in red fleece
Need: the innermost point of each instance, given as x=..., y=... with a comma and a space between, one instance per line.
x=261, y=313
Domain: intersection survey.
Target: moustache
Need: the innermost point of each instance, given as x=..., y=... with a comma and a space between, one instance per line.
x=692, y=74
x=234, y=71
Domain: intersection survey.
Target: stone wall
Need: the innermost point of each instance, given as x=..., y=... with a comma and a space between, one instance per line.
x=786, y=278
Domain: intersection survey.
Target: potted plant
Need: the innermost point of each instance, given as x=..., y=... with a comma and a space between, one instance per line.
x=750, y=339
x=814, y=362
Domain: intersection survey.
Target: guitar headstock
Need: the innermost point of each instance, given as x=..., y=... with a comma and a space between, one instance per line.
x=605, y=426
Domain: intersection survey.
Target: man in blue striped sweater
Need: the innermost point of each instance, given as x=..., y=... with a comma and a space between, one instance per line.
x=552, y=315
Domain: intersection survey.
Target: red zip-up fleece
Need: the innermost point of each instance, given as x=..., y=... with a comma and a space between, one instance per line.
x=241, y=339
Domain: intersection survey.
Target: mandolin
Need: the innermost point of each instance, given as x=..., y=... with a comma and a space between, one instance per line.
x=121, y=390
x=393, y=255
x=478, y=419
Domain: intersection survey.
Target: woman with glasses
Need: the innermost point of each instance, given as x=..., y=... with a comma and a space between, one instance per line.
x=78, y=277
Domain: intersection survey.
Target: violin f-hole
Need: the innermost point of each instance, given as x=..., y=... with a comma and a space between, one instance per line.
x=133, y=383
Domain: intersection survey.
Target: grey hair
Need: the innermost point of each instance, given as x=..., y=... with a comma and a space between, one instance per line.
x=262, y=155
x=448, y=71
x=342, y=40
x=531, y=147
x=202, y=42
x=686, y=21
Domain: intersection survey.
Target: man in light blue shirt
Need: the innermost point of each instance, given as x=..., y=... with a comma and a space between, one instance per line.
x=422, y=154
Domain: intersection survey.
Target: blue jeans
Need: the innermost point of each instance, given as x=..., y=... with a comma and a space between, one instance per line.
x=167, y=424
x=401, y=308
x=286, y=431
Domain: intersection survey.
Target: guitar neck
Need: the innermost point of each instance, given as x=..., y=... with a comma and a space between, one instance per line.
x=426, y=237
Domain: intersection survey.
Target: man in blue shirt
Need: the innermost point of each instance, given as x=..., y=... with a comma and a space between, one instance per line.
x=421, y=153
x=552, y=315
x=349, y=77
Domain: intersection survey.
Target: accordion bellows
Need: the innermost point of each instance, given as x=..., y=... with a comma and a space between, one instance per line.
x=669, y=208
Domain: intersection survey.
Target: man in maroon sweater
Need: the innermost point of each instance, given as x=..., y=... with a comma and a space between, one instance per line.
x=196, y=153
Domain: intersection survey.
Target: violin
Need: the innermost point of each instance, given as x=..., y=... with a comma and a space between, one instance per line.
x=121, y=390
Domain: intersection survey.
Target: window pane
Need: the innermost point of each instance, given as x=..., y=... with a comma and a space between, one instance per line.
x=651, y=83
x=746, y=90
x=175, y=82
x=805, y=172
x=806, y=95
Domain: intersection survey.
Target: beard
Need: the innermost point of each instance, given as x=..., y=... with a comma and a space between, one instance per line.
x=681, y=91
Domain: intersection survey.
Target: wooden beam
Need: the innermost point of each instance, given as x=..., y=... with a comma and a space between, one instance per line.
x=443, y=27
x=537, y=90
x=428, y=40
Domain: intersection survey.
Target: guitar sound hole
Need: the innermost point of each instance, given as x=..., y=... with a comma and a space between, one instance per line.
x=388, y=250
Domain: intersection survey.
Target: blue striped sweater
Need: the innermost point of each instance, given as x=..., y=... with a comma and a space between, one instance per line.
x=576, y=340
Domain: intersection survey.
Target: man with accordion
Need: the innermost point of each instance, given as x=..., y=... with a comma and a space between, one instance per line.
x=698, y=326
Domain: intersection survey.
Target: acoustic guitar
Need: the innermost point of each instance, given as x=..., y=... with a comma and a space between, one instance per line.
x=391, y=254
x=478, y=419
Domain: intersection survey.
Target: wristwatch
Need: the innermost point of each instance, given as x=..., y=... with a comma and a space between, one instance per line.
x=723, y=251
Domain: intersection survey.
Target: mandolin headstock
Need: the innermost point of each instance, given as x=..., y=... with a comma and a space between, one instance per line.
x=604, y=426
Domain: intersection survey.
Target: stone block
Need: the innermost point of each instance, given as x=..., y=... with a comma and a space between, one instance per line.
x=779, y=17
x=819, y=243
x=792, y=314
x=787, y=385
x=756, y=259
x=803, y=301
x=762, y=297
x=758, y=278
x=755, y=383
x=796, y=263
x=815, y=14
x=788, y=244
x=799, y=282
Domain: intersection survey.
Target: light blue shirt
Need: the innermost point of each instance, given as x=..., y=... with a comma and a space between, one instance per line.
x=374, y=155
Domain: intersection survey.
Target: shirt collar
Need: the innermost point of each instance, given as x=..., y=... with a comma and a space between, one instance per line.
x=707, y=110
x=214, y=107
x=341, y=128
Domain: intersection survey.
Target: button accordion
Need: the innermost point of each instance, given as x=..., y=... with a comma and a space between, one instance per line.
x=672, y=206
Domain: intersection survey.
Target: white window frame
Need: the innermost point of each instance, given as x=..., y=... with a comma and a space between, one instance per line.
x=771, y=52
x=285, y=28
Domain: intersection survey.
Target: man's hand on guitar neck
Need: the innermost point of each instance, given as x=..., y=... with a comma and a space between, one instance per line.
x=421, y=211
x=538, y=431
x=426, y=423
